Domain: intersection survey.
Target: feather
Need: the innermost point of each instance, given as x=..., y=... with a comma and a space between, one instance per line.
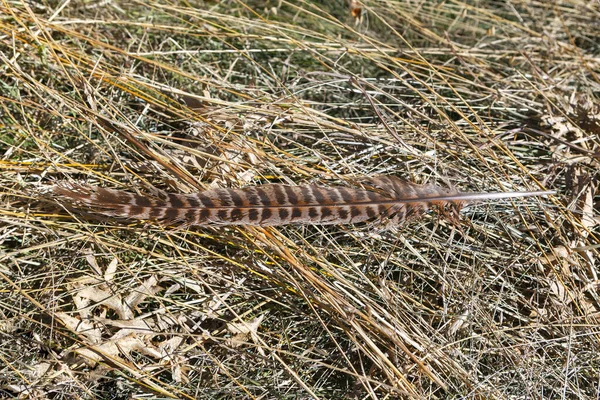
x=269, y=205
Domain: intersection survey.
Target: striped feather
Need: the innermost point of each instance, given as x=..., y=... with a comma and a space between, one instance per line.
x=269, y=205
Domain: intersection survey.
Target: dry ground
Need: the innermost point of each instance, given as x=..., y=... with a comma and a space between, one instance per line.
x=484, y=95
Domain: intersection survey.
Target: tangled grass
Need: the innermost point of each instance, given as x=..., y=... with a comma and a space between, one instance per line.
x=483, y=95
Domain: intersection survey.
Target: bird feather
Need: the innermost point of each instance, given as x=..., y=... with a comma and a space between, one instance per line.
x=383, y=197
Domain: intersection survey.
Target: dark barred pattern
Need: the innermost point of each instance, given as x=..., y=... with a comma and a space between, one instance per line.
x=268, y=205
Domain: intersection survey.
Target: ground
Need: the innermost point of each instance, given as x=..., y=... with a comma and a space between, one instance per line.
x=501, y=301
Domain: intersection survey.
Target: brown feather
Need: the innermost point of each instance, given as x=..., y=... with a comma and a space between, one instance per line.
x=267, y=205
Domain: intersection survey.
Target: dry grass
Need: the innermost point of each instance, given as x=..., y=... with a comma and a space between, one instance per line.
x=485, y=95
